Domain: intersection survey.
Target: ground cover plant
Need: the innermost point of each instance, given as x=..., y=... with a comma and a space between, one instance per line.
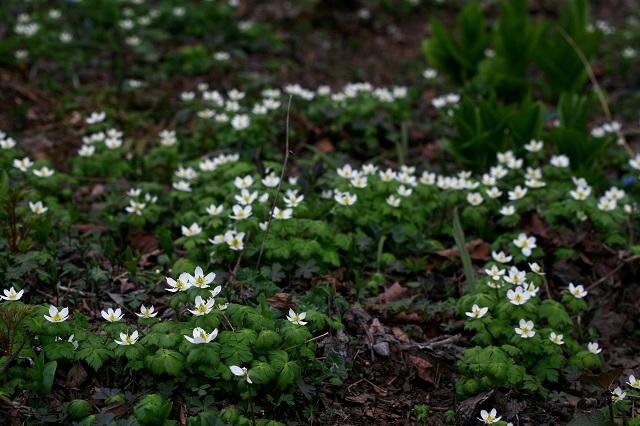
x=223, y=212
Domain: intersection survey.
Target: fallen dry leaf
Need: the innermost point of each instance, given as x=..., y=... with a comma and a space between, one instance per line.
x=325, y=145
x=478, y=250
x=393, y=293
x=76, y=376
x=423, y=368
x=281, y=301
x=400, y=335
x=90, y=227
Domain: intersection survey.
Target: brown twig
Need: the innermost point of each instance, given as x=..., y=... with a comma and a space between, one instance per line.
x=14, y=355
x=275, y=198
x=613, y=271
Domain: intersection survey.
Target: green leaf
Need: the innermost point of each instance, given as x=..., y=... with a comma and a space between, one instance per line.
x=95, y=356
x=166, y=361
x=267, y=340
x=278, y=359
x=288, y=375
x=205, y=354
x=236, y=354
x=262, y=372
x=183, y=265
x=48, y=375
x=295, y=335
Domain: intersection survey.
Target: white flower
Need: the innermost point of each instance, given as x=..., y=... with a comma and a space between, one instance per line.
x=183, y=283
x=561, y=161
x=43, y=172
x=393, y=201
x=429, y=74
x=87, y=151
x=536, y=269
x=577, y=291
x=526, y=329
x=221, y=56
x=634, y=162
x=474, y=198
x=404, y=191
x=56, y=315
x=23, y=165
x=428, y=178
x=514, y=163
x=135, y=207
x=507, y=210
x=594, y=348
x=515, y=277
x=240, y=122
x=617, y=394
x=202, y=307
x=493, y=192
x=38, y=208
x=216, y=240
x=187, y=96
x=477, y=312
x=504, y=157
x=345, y=198
x=534, y=183
x=297, y=318
x=111, y=315
x=168, y=137
x=494, y=272
x=281, y=214
x=489, y=417
x=525, y=244
x=214, y=210
x=200, y=280
x=240, y=372
x=216, y=291
x=291, y=200
x=501, y=257
x=186, y=173
x=369, y=169
x=534, y=146
x=11, y=294
x=498, y=171
x=127, y=339
x=7, y=143
x=193, y=230
x=518, y=297
x=346, y=172
x=533, y=173
x=606, y=204
x=580, y=193
x=96, y=117
x=243, y=182
x=145, y=312
x=271, y=180
x=614, y=194
x=359, y=182
x=234, y=240
x=245, y=197
x=200, y=336
x=113, y=143
x=240, y=212
x=182, y=185
x=517, y=193
x=633, y=382
x=556, y=338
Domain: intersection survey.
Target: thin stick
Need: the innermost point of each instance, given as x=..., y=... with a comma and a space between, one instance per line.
x=596, y=86
x=613, y=271
x=284, y=170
